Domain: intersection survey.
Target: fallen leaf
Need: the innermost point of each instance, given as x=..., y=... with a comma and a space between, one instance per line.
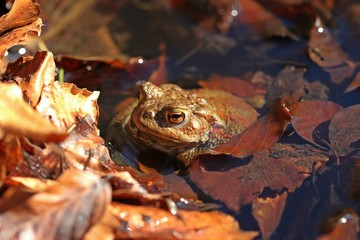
x=266, y=23
x=327, y=53
x=65, y=210
x=344, y=131
x=22, y=120
x=284, y=168
x=233, y=85
x=23, y=18
x=345, y=226
x=150, y=223
x=262, y=134
x=354, y=84
x=64, y=104
x=306, y=117
x=32, y=73
x=268, y=213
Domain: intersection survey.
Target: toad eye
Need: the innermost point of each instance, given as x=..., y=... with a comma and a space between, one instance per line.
x=176, y=117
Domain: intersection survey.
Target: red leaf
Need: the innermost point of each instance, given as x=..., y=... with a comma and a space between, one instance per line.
x=344, y=131
x=262, y=134
x=354, y=84
x=307, y=115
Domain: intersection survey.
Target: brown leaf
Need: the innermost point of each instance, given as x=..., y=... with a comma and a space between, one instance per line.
x=32, y=73
x=354, y=84
x=266, y=23
x=21, y=20
x=63, y=211
x=234, y=85
x=22, y=12
x=262, y=134
x=344, y=131
x=345, y=227
x=64, y=104
x=150, y=223
x=327, y=53
x=284, y=168
x=20, y=119
x=268, y=213
x=308, y=115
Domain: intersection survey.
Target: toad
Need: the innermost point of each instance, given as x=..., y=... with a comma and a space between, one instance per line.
x=182, y=123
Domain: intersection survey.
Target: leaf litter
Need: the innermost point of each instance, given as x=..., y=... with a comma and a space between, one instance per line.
x=53, y=158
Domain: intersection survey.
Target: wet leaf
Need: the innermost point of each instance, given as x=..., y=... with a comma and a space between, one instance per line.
x=262, y=134
x=234, y=85
x=327, y=53
x=22, y=120
x=284, y=168
x=344, y=131
x=354, y=84
x=345, y=226
x=266, y=23
x=149, y=223
x=65, y=210
x=268, y=213
x=306, y=117
x=22, y=19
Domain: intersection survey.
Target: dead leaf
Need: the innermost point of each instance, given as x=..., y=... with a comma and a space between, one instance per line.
x=306, y=117
x=32, y=73
x=262, y=134
x=284, y=168
x=327, y=53
x=354, y=84
x=344, y=131
x=150, y=223
x=345, y=226
x=265, y=22
x=268, y=213
x=64, y=104
x=62, y=211
x=22, y=19
x=22, y=120
x=233, y=85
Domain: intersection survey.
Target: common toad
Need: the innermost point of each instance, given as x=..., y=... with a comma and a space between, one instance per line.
x=179, y=122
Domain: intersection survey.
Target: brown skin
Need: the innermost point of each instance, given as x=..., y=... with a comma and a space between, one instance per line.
x=182, y=123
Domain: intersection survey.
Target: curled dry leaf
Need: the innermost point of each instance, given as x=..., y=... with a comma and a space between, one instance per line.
x=22, y=19
x=268, y=213
x=308, y=115
x=141, y=222
x=32, y=73
x=65, y=210
x=20, y=119
x=64, y=104
x=344, y=131
x=284, y=168
x=327, y=53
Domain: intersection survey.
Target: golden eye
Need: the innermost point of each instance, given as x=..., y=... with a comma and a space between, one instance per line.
x=176, y=117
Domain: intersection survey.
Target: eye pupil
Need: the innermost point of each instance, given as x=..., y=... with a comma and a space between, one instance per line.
x=176, y=117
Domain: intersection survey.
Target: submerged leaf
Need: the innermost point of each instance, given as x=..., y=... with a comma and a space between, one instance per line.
x=284, y=168
x=262, y=134
x=308, y=115
x=344, y=131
